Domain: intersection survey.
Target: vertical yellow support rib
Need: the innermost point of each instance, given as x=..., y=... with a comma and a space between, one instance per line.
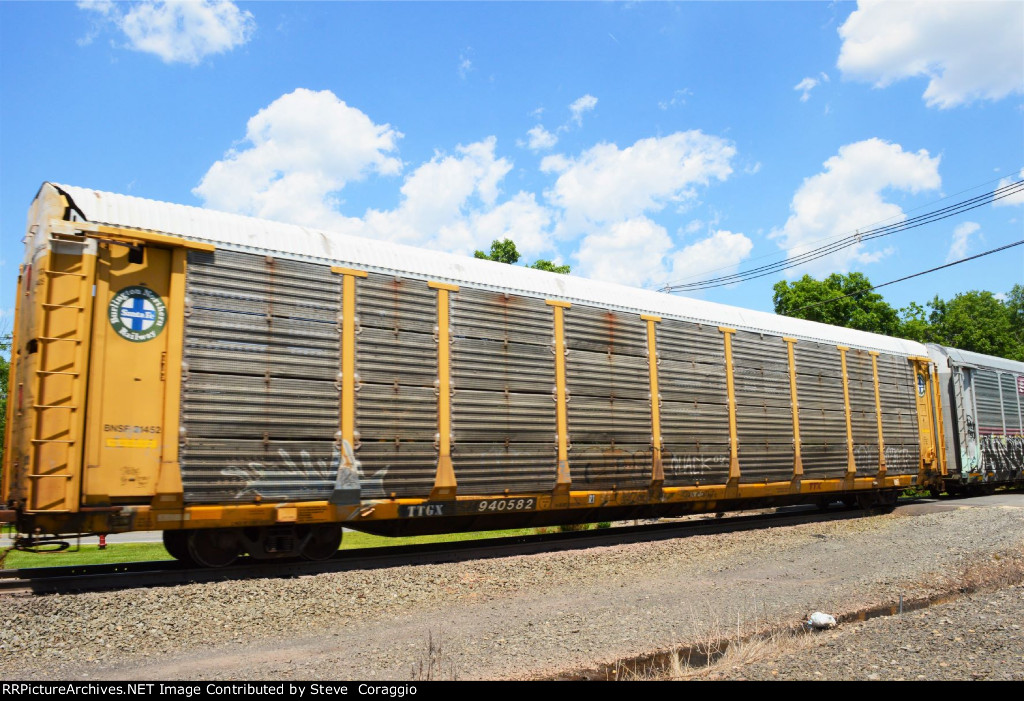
x=169, y=492
x=734, y=448
x=346, y=488
x=348, y=358
x=657, y=469
x=878, y=414
x=851, y=464
x=562, y=479
x=940, y=435
x=445, y=486
x=798, y=463
x=12, y=448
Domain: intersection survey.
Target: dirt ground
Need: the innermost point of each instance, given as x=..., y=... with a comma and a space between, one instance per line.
x=519, y=617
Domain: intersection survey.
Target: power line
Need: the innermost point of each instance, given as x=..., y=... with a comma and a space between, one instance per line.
x=843, y=235
x=859, y=237
x=923, y=272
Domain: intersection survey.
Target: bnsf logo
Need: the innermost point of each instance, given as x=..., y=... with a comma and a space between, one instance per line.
x=137, y=314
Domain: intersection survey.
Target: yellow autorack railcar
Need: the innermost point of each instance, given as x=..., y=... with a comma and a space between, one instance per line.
x=251, y=387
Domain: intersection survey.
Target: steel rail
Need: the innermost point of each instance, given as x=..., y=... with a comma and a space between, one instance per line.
x=130, y=575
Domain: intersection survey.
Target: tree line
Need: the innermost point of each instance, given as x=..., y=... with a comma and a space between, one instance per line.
x=976, y=321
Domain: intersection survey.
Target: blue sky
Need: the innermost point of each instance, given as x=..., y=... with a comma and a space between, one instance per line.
x=643, y=143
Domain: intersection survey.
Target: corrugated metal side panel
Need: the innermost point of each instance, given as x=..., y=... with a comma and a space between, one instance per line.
x=694, y=409
x=503, y=407
x=260, y=404
x=986, y=391
x=819, y=386
x=863, y=412
x=764, y=415
x=232, y=470
x=1011, y=409
x=898, y=391
x=1003, y=451
x=608, y=386
x=396, y=401
x=334, y=248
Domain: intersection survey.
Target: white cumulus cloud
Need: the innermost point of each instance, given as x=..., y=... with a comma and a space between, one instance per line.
x=847, y=195
x=630, y=252
x=440, y=197
x=606, y=183
x=587, y=103
x=961, y=239
x=805, y=86
x=640, y=252
x=1015, y=198
x=721, y=252
x=967, y=50
x=540, y=138
x=178, y=31
x=300, y=151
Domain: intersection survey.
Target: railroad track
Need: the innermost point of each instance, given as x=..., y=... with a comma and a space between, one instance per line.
x=130, y=575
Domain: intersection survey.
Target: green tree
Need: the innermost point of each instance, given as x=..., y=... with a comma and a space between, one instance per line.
x=914, y=323
x=550, y=267
x=505, y=251
x=1015, y=307
x=852, y=304
x=978, y=321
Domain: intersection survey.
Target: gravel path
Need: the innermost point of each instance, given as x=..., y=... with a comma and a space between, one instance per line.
x=518, y=617
x=976, y=637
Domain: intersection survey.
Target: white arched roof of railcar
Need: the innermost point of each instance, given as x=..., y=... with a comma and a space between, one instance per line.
x=945, y=356
x=240, y=233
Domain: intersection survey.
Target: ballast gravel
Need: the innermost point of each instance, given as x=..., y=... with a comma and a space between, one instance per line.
x=518, y=617
x=977, y=637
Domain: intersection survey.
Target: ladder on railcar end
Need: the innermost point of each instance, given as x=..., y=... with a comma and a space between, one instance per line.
x=961, y=417
x=58, y=398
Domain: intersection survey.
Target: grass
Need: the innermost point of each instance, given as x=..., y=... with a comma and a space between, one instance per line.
x=435, y=665
x=143, y=552
x=87, y=555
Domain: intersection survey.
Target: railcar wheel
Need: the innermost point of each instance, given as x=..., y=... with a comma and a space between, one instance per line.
x=176, y=544
x=213, y=547
x=323, y=543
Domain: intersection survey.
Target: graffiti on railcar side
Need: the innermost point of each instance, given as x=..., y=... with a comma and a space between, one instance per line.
x=899, y=459
x=265, y=479
x=970, y=453
x=610, y=464
x=694, y=466
x=1003, y=455
x=865, y=456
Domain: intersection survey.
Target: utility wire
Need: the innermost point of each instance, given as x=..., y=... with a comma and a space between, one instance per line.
x=923, y=272
x=843, y=235
x=859, y=237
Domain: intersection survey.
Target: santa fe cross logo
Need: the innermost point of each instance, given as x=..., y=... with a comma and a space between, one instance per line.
x=137, y=314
